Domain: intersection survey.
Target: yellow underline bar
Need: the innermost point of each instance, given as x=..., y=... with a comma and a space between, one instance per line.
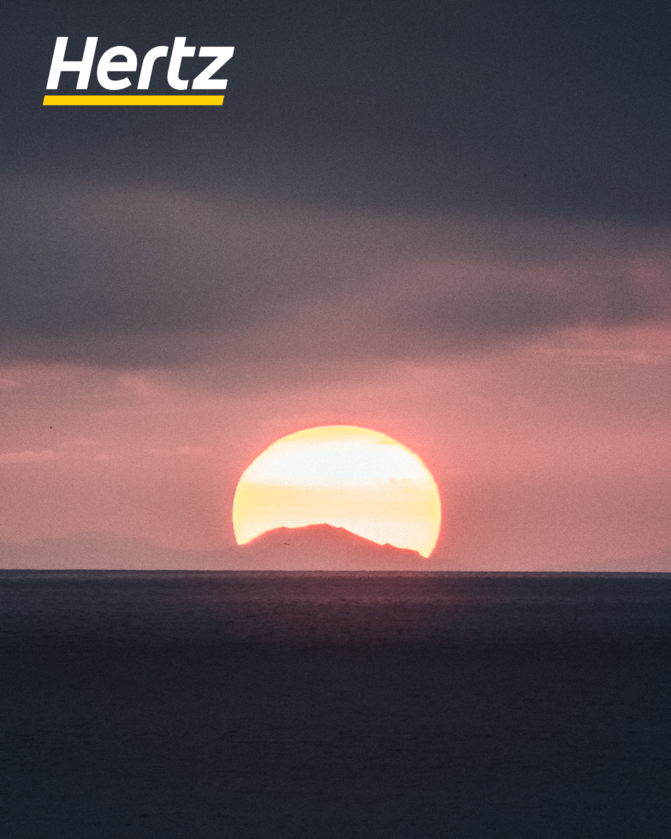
x=133, y=100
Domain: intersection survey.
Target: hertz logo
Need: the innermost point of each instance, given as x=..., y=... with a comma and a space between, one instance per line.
x=118, y=60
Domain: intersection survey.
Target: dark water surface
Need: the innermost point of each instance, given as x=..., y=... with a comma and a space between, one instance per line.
x=377, y=706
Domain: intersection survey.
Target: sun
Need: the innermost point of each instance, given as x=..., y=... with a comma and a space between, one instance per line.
x=344, y=476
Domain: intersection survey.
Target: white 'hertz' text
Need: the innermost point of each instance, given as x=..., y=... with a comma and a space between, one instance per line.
x=121, y=61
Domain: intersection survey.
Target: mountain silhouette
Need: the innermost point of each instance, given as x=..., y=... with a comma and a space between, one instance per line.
x=328, y=548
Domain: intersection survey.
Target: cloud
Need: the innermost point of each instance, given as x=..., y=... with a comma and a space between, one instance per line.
x=28, y=456
x=481, y=303
x=146, y=277
x=179, y=451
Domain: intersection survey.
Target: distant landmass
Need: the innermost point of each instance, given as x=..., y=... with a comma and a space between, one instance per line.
x=102, y=551
x=318, y=547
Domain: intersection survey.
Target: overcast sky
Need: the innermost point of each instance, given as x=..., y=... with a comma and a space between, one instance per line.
x=446, y=221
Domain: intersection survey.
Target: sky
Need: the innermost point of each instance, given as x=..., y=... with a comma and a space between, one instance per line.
x=449, y=222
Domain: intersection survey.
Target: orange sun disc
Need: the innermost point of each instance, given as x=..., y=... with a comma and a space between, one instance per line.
x=345, y=476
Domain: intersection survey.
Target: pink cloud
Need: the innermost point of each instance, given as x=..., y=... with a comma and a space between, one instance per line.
x=180, y=451
x=28, y=456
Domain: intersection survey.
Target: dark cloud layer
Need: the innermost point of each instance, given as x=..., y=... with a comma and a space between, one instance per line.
x=383, y=179
x=98, y=272
x=491, y=305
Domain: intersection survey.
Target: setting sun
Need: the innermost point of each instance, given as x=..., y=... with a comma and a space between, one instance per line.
x=344, y=476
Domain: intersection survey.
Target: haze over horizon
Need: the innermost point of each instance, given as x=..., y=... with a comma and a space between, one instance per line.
x=320, y=548
x=448, y=223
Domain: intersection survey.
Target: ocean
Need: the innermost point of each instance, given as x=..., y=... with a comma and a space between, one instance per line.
x=334, y=706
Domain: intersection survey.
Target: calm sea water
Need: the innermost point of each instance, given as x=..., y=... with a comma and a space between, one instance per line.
x=319, y=705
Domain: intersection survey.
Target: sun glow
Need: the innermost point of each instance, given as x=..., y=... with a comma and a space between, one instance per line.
x=344, y=476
